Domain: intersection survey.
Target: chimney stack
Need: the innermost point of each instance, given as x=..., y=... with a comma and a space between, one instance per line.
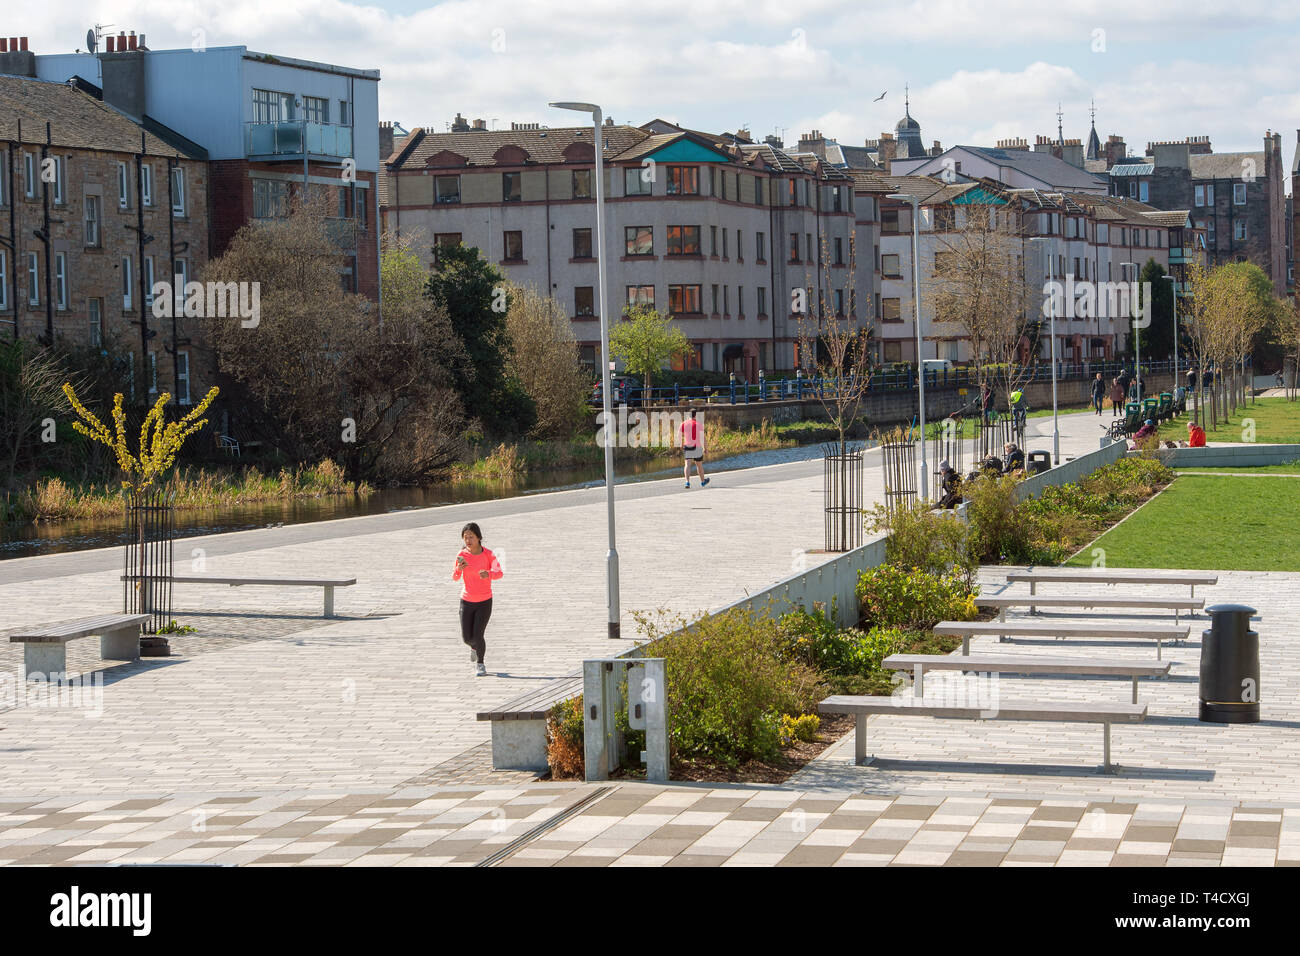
x=15, y=58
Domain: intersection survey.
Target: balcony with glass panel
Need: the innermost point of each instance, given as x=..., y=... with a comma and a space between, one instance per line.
x=289, y=140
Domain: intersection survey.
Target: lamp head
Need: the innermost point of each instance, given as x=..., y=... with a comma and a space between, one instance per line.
x=591, y=108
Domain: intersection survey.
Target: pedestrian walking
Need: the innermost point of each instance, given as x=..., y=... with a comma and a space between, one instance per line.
x=986, y=401
x=1116, y=398
x=1098, y=392
x=476, y=568
x=692, y=436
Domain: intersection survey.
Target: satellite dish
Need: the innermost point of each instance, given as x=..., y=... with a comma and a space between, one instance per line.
x=91, y=40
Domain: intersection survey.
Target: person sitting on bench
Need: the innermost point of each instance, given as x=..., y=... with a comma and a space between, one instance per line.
x=1146, y=432
x=1013, y=457
x=950, y=484
x=1195, y=435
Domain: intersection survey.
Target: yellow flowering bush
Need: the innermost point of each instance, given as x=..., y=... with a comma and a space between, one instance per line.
x=160, y=441
x=803, y=727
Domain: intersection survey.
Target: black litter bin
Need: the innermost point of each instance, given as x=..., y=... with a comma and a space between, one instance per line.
x=1230, y=667
x=1039, y=461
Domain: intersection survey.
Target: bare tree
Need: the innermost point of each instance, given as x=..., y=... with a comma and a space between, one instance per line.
x=544, y=358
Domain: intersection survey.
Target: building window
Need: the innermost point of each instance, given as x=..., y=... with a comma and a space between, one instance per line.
x=584, y=300
x=762, y=300
x=893, y=352
x=4, y=184
x=1144, y=191
x=1239, y=229
x=183, y=378
x=4, y=279
x=514, y=247
x=270, y=199
x=635, y=184
x=582, y=184
x=510, y=187
x=715, y=298
x=683, y=240
x=60, y=180
x=444, y=240
x=1209, y=230
x=446, y=189
x=684, y=299
x=343, y=115
x=148, y=280
x=808, y=237
x=725, y=254
x=179, y=279
x=92, y=220
x=178, y=191
x=726, y=300
x=839, y=301
x=758, y=191
x=33, y=279
x=793, y=196
x=95, y=312
x=582, y=243
x=891, y=310
x=315, y=109
x=760, y=241
x=153, y=373
x=639, y=240
x=1132, y=189
x=146, y=183
x=740, y=300
x=1239, y=194
x=794, y=247
x=740, y=246
x=839, y=246
x=890, y=268
x=29, y=175
x=61, y=281
x=587, y=357
x=123, y=187
x=128, y=283
x=641, y=295
x=272, y=107
x=683, y=181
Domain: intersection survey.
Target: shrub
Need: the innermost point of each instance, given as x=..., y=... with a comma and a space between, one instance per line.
x=803, y=728
x=564, y=739
x=934, y=541
x=729, y=684
x=894, y=597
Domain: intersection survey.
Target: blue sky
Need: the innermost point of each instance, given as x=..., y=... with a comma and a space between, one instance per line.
x=978, y=71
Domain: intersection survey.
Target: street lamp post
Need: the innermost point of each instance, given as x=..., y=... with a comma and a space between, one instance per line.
x=1173, y=290
x=1051, y=312
x=1133, y=326
x=916, y=307
x=611, y=556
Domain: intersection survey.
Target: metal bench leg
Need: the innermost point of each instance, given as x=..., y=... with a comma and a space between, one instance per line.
x=329, y=602
x=1107, y=766
x=860, y=741
x=1135, y=689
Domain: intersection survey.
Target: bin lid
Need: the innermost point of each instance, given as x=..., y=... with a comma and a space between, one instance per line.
x=1231, y=609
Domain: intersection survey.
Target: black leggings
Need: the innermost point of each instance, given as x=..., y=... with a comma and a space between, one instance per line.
x=473, y=622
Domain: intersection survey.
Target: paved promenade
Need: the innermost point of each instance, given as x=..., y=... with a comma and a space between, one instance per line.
x=276, y=736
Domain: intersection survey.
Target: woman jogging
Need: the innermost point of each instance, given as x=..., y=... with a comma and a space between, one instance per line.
x=692, y=448
x=476, y=567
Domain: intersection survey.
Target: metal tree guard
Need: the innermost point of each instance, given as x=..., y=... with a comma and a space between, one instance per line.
x=842, y=495
x=898, y=459
x=995, y=433
x=946, y=444
x=147, y=565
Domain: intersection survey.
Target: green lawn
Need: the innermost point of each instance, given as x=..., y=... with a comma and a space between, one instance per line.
x=1276, y=421
x=970, y=423
x=1289, y=469
x=1209, y=522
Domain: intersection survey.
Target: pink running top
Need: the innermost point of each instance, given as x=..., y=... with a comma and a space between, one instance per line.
x=690, y=430
x=473, y=587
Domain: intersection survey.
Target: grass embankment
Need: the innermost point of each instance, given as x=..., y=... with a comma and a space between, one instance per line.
x=1210, y=522
x=1274, y=421
x=515, y=460
x=52, y=499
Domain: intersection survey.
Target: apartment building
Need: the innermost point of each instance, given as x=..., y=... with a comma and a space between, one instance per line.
x=1238, y=198
x=714, y=230
x=1091, y=237
x=272, y=127
x=94, y=208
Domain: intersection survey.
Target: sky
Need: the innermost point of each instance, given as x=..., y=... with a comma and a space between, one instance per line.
x=978, y=70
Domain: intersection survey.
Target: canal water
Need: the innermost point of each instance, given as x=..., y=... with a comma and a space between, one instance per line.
x=23, y=539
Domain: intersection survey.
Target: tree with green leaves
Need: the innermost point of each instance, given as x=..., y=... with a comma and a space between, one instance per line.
x=476, y=298
x=1157, y=339
x=645, y=340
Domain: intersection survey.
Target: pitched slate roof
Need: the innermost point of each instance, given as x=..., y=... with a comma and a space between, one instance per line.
x=542, y=145
x=1044, y=167
x=1225, y=165
x=78, y=120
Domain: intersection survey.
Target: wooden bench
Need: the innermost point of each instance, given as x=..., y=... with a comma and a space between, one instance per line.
x=519, y=725
x=864, y=707
x=329, y=584
x=994, y=664
x=45, y=649
x=1005, y=629
x=1158, y=604
x=1104, y=576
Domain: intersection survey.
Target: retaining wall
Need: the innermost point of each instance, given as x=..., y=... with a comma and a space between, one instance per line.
x=1229, y=456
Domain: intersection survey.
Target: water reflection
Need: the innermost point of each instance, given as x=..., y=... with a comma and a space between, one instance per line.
x=19, y=540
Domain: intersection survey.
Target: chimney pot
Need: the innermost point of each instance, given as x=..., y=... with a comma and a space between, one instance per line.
x=4, y=44
x=130, y=43
x=141, y=41
x=23, y=42
x=108, y=44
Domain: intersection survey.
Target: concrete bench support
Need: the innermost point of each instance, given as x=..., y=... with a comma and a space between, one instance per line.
x=519, y=745
x=45, y=650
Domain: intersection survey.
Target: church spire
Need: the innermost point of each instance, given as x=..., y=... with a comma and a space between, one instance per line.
x=1060, y=134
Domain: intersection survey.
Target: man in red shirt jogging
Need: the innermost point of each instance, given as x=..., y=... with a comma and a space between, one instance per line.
x=692, y=435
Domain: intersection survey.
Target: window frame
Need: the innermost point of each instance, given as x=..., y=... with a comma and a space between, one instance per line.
x=577, y=308
x=683, y=180
x=146, y=185
x=681, y=242
x=128, y=283
x=33, y=279
x=1239, y=189
x=630, y=243
x=177, y=174
x=90, y=221
x=507, y=195
x=634, y=294
x=576, y=252
x=95, y=321
x=123, y=187
x=573, y=183
x=60, y=282
x=505, y=245
x=438, y=198
x=684, y=294
x=645, y=187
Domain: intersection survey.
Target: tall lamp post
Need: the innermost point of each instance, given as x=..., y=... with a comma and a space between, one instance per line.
x=916, y=307
x=1133, y=327
x=1173, y=290
x=611, y=556
x=1051, y=312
